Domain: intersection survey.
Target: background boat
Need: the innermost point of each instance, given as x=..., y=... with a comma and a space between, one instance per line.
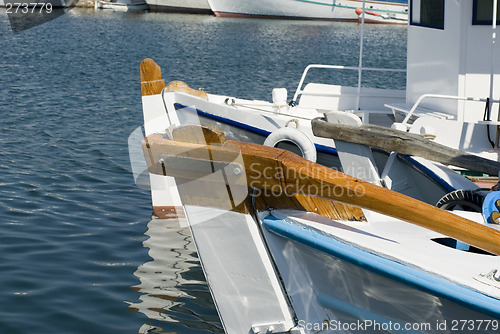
x=304, y=9
x=180, y=6
x=122, y=5
x=283, y=270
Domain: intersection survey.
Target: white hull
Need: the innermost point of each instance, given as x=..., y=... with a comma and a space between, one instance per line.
x=297, y=272
x=179, y=6
x=290, y=271
x=297, y=9
x=123, y=6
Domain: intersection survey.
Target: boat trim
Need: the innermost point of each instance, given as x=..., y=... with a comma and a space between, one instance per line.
x=385, y=267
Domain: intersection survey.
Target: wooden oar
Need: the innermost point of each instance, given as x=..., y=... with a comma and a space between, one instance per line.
x=275, y=171
x=405, y=143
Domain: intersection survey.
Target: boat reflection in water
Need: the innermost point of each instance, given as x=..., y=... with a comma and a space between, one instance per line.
x=173, y=286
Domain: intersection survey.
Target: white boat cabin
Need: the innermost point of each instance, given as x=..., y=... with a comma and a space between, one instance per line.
x=452, y=51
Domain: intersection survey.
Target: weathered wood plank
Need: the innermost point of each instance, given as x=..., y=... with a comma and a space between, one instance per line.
x=274, y=170
x=404, y=143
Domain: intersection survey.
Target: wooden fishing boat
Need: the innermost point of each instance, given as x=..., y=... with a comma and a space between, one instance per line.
x=122, y=5
x=250, y=122
x=290, y=246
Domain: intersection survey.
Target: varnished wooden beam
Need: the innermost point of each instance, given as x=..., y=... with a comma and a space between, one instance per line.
x=274, y=171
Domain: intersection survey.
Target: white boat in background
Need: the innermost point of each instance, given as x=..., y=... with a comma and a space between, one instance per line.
x=165, y=281
x=122, y=5
x=180, y=6
x=310, y=10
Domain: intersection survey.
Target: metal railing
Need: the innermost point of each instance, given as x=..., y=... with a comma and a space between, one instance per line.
x=299, y=90
x=446, y=97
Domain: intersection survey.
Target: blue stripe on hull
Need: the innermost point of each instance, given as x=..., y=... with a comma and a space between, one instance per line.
x=387, y=268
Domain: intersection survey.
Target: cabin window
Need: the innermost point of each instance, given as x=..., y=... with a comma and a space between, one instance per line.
x=427, y=13
x=483, y=12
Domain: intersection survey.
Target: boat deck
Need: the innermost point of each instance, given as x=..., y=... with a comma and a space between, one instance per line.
x=407, y=244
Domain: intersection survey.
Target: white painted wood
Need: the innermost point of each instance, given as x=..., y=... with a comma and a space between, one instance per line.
x=238, y=269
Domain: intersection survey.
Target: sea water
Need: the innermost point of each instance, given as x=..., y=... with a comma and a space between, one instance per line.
x=78, y=250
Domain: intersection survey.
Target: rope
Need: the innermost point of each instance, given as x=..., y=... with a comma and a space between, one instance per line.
x=486, y=117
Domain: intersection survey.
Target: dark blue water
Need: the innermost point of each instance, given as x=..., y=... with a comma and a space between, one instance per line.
x=76, y=244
